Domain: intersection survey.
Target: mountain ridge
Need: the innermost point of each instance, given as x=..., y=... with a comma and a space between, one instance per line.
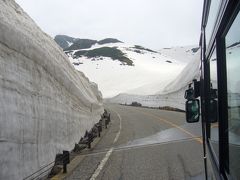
x=68, y=43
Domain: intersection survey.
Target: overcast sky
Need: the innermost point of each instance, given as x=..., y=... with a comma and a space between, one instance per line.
x=151, y=23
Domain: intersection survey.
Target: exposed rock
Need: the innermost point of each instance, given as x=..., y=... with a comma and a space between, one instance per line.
x=64, y=41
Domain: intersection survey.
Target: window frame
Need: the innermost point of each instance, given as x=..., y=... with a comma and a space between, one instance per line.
x=232, y=15
x=229, y=9
x=213, y=153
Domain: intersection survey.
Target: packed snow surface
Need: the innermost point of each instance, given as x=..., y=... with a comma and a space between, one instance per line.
x=45, y=104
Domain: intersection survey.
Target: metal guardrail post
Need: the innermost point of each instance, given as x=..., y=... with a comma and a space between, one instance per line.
x=66, y=160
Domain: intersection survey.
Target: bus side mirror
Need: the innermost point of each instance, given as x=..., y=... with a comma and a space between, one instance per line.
x=192, y=110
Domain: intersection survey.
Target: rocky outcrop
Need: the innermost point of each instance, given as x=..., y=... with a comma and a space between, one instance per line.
x=64, y=41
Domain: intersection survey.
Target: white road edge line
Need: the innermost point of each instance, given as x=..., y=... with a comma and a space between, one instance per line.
x=120, y=128
x=101, y=165
x=105, y=159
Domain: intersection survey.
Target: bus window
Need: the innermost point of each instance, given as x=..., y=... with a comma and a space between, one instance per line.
x=213, y=119
x=232, y=40
x=213, y=12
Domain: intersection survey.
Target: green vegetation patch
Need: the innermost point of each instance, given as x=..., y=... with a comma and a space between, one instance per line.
x=111, y=52
x=142, y=48
x=109, y=40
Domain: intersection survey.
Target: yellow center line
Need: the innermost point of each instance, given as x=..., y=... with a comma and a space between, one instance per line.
x=173, y=125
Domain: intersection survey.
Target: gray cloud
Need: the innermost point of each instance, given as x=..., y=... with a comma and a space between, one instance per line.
x=152, y=23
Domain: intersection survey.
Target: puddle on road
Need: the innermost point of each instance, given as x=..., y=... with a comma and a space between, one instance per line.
x=184, y=133
x=187, y=131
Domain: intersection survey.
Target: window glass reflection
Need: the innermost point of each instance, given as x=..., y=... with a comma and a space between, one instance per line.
x=212, y=17
x=233, y=89
x=213, y=118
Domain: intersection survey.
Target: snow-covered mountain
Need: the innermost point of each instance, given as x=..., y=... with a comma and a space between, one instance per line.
x=119, y=67
x=70, y=43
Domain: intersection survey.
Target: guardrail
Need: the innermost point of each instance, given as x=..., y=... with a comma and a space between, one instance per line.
x=64, y=158
x=43, y=171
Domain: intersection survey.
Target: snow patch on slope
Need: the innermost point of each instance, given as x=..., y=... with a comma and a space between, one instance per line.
x=184, y=54
x=69, y=43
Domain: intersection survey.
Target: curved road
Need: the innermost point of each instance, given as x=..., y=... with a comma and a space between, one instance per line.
x=143, y=143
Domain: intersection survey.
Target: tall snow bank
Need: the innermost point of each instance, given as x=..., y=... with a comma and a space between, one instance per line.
x=172, y=95
x=190, y=72
x=45, y=104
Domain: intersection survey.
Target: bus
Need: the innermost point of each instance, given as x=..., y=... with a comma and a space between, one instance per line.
x=214, y=98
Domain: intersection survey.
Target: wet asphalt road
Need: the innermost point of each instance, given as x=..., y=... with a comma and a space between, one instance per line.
x=144, y=144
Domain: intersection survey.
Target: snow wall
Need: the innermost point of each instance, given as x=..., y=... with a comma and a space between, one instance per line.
x=45, y=104
x=173, y=93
